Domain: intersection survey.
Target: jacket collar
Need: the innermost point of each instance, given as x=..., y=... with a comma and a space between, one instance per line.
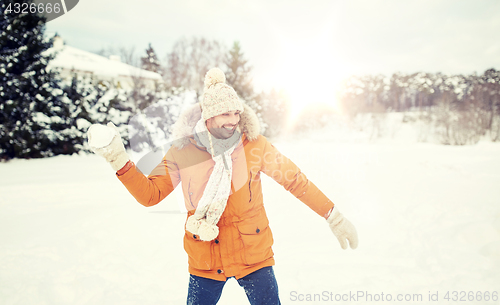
x=182, y=130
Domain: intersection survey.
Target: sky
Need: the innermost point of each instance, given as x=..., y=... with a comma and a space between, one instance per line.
x=304, y=47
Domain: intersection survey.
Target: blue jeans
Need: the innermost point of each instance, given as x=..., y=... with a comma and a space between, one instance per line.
x=260, y=287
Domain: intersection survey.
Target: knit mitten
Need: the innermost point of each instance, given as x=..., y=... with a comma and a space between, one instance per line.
x=106, y=141
x=343, y=229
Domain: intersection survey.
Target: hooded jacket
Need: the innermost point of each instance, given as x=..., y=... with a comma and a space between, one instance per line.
x=245, y=239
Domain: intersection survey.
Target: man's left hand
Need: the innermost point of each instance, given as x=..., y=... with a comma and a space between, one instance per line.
x=343, y=229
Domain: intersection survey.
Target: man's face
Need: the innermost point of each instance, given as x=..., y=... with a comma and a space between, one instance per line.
x=224, y=125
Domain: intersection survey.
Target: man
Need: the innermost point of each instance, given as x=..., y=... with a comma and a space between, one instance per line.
x=218, y=157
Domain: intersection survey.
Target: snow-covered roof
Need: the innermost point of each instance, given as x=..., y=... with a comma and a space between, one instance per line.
x=72, y=58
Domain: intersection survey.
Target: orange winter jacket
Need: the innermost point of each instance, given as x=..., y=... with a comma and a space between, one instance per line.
x=245, y=239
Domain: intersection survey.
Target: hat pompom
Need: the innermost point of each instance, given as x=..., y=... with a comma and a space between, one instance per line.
x=214, y=76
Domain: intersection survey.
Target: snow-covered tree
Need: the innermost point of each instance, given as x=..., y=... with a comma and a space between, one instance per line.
x=238, y=75
x=34, y=119
x=189, y=61
x=238, y=72
x=150, y=62
x=152, y=126
x=84, y=98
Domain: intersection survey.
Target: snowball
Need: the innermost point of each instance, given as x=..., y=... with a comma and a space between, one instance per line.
x=100, y=135
x=82, y=124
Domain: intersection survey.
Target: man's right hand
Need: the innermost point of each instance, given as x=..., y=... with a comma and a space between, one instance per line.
x=106, y=141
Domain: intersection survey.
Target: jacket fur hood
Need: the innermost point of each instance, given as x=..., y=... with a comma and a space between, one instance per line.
x=182, y=130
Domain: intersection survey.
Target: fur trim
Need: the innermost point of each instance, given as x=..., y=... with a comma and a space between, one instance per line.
x=183, y=128
x=249, y=123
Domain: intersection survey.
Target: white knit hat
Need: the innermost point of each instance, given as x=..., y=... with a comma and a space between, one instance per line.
x=218, y=97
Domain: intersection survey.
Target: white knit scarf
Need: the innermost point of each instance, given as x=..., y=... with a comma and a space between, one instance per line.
x=214, y=199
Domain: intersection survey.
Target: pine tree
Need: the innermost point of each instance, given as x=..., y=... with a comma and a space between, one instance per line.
x=238, y=76
x=238, y=72
x=150, y=62
x=83, y=97
x=34, y=120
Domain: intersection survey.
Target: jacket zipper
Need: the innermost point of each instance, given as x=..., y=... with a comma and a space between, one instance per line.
x=189, y=193
x=250, y=187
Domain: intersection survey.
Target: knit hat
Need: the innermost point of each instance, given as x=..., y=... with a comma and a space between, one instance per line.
x=218, y=97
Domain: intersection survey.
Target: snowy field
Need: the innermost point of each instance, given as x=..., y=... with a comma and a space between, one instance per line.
x=428, y=218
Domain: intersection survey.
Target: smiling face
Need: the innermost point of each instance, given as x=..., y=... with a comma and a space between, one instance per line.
x=223, y=125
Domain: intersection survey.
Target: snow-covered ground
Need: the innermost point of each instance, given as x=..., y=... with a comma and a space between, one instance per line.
x=428, y=218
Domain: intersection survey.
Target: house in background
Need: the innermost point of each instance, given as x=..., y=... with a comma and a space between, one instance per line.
x=71, y=61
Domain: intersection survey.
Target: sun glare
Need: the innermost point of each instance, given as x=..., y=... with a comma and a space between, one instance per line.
x=310, y=73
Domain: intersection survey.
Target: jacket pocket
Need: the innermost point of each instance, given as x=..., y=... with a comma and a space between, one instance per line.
x=257, y=241
x=199, y=252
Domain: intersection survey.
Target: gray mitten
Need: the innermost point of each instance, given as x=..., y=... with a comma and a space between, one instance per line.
x=106, y=141
x=343, y=229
